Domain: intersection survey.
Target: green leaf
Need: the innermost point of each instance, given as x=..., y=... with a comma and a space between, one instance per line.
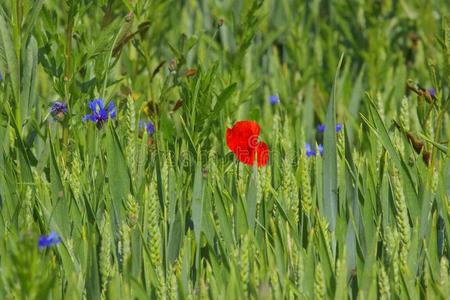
x=60, y=207
x=118, y=176
x=197, y=200
x=224, y=218
x=251, y=198
x=330, y=197
x=32, y=17
x=175, y=237
x=441, y=147
x=8, y=51
x=381, y=132
x=28, y=94
x=197, y=206
x=223, y=97
x=92, y=284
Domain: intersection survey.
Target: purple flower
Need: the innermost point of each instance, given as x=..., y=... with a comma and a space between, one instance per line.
x=149, y=127
x=320, y=148
x=58, y=110
x=274, y=100
x=47, y=241
x=99, y=114
x=321, y=127
x=432, y=93
x=309, y=151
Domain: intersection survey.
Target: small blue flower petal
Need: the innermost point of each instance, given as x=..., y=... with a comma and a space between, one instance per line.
x=102, y=115
x=99, y=114
x=95, y=105
x=150, y=128
x=321, y=128
x=274, y=99
x=320, y=148
x=432, y=92
x=112, y=110
x=308, y=147
x=58, y=110
x=89, y=117
x=46, y=241
x=309, y=151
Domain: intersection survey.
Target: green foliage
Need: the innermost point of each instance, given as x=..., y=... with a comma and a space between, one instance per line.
x=173, y=214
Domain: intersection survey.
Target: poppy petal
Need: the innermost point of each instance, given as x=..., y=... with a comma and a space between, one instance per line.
x=246, y=156
x=242, y=139
x=262, y=154
x=243, y=136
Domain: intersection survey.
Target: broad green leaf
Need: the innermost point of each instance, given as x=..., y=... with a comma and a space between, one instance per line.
x=251, y=198
x=410, y=192
x=197, y=206
x=60, y=208
x=175, y=238
x=223, y=97
x=118, y=176
x=330, y=196
x=8, y=51
x=28, y=93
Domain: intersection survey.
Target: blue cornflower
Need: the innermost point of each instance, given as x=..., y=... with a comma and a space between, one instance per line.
x=432, y=92
x=149, y=127
x=274, y=100
x=309, y=151
x=320, y=148
x=1, y=76
x=46, y=241
x=58, y=110
x=321, y=128
x=99, y=114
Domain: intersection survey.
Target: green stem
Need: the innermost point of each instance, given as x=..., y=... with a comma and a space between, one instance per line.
x=65, y=141
x=442, y=111
x=17, y=41
x=68, y=57
x=108, y=63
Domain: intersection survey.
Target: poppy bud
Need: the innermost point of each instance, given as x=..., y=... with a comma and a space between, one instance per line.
x=177, y=105
x=129, y=17
x=58, y=110
x=172, y=65
x=191, y=72
x=419, y=147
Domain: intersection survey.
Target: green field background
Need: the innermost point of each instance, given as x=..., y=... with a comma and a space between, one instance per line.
x=174, y=214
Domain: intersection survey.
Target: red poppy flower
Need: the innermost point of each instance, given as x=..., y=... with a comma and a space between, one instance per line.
x=242, y=139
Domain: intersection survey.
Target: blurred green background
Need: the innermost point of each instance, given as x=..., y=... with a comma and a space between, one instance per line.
x=173, y=214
